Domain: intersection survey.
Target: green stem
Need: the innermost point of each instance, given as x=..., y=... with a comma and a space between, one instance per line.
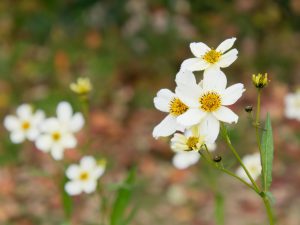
x=227, y=172
x=227, y=139
x=269, y=210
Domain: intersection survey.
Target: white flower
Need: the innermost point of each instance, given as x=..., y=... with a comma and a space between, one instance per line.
x=292, y=105
x=83, y=177
x=252, y=163
x=191, y=140
x=207, y=102
x=209, y=58
x=25, y=124
x=167, y=101
x=182, y=160
x=57, y=133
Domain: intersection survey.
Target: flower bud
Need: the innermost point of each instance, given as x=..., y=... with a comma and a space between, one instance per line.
x=249, y=108
x=82, y=86
x=260, y=80
x=217, y=158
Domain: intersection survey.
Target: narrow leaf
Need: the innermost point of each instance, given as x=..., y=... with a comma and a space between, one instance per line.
x=267, y=148
x=122, y=200
x=67, y=201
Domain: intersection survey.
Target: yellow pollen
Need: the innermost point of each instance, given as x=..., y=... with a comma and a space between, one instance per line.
x=212, y=56
x=177, y=107
x=25, y=125
x=210, y=101
x=84, y=176
x=192, y=143
x=56, y=136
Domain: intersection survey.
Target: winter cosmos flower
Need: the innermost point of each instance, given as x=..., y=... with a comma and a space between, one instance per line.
x=252, y=163
x=167, y=101
x=83, y=177
x=207, y=102
x=207, y=58
x=25, y=125
x=58, y=132
x=187, y=145
x=82, y=86
x=292, y=105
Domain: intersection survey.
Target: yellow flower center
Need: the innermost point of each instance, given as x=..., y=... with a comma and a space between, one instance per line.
x=177, y=107
x=192, y=143
x=56, y=136
x=212, y=56
x=25, y=125
x=84, y=176
x=210, y=101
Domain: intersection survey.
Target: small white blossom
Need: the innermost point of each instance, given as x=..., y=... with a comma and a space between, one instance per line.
x=207, y=102
x=25, y=125
x=210, y=59
x=253, y=164
x=292, y=105
x=182, y=160
x=58, y=133
x=83, y=177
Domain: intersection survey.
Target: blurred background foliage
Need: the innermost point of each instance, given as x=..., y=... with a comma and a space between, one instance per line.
x=130, y=49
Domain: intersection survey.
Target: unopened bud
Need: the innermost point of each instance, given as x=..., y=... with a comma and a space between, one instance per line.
x=249, y=108
x=217, y=158
x=260, y=80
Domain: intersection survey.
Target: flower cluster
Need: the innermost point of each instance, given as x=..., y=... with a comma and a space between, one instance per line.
x=56, y=134
x=196, y=108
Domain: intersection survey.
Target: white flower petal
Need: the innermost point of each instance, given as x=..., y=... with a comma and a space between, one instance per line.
x=210, y=128
x=73, y=188
x=73, y=171
x=57, y=152
x=64, y=111
x=166, y=127
x=98, y=172
x=69, y=141
x=185, y=77
x=232, y=94
x=76, y=122
x=11, y=123
x=90, y=186
x=38, y=117
x=189, y=95
x=214, y=80
x=199, y=48
x=183, y=160
x=225, y=45
x=228, y=58
x=32, y=134
x=17, y=137
x=191, y=117
x=226, y=115
x=50, y=125
x=194, y=64
x=24, y=111
x=44, y=143
x=163, y=99
x=88, y=163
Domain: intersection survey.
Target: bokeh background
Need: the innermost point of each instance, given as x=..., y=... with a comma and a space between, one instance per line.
x=130, y=50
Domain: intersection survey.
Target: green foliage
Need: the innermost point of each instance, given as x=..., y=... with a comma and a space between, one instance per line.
x=66, y=201
x=122, y=201
x=267, y=154
x=219, y=209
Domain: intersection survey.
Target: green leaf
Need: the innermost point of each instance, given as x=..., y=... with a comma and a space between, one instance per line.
x=219, y=209
x=267, y=148
x=122, y=201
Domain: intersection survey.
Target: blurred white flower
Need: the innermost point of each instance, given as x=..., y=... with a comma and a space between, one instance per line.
x=83, y=177
x=25, y=125
x=58, y=133
x=292, y=105
x=207, y=102
x=209, y=58
x=253, y=164
x=182, y=160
